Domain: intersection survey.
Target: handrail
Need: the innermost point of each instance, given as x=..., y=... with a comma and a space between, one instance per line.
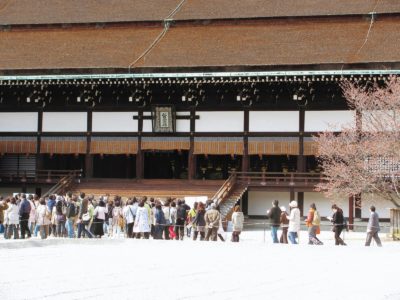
x=224, y=189
x=64, y=183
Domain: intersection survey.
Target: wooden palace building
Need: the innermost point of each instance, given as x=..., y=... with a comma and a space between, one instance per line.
x=196, y=91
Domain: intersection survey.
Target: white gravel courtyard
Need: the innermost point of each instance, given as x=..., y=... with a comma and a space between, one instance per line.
x=150, y=269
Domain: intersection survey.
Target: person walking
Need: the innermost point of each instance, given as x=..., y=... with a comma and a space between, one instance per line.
x=43, y=215
x=141, y=228
x=285, y=224
x=373, y=228
x=84, y=219
x=32, y=215
x=72, y=211
x=12, y=219
x=199, y=223
x=181, y=215
x=3, y=208
x=24, y=212
x=129, y=214
x=159, y=221
x=294, y=222
x=99, y=218
x=117, y=218
x=274, y=214
x=60, y=216
x=337, y=220
x=313, y=222
x=237, y=223
x=212, y=218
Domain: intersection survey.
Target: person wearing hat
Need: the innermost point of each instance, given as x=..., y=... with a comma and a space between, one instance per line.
x=294, y=222
x=212, y=217
x=274, y=214
x=285, y=224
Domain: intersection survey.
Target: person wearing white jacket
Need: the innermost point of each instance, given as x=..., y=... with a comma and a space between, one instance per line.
x=294, y=222
x=12, y=219
x=43, y=218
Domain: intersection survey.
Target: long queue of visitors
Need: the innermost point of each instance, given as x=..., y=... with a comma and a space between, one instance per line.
x=71, y=216
x=84, y=216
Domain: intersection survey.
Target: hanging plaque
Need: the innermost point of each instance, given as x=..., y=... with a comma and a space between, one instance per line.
x=163, y=119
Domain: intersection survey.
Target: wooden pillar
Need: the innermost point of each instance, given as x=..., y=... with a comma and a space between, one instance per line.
x=358, y=204
x=292, y=194
x=39, y=158
x=245, y=158
x=191, y=156
x=139, y=155
x=301, y=160
x=88, y=156
x=300, y=202
x=351, y=212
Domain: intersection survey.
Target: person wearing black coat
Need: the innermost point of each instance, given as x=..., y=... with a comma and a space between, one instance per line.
x=274, y=214
x=199, y=222
x=338, y=224
x=181, y=215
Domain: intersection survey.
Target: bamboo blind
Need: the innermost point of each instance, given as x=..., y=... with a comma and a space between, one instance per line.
x=18, y=145
x=113, y=146
x=63, y=145
x=165, y=143
x=310, y=148
x=274, y=147
x=219, y=146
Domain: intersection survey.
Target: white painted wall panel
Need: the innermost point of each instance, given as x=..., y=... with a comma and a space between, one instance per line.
x=147, y=126
x=382, y=206
x=317, y=121
x=259, y=202
x=18, y=122
x=274, y=121
x=323, y=204
x=114, y=122
x=220, y=121
x=64, y=121
x=182, y=125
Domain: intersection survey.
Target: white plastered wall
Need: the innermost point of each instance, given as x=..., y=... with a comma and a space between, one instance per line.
x=274, y=121
x=382, y=206
x=259, y=202
x=114, y=122
x=220, y=121
x=323, y=204
x=183, y=125
x=317, y=121
x=19, y=122
x=64, y=121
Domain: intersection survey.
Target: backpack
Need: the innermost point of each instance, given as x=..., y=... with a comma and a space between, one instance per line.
x=72, y=211
x=317, y=218
x=181, y=213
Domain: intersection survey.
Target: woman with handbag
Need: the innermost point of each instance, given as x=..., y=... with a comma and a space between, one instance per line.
x=99, y=218
x=84, y=219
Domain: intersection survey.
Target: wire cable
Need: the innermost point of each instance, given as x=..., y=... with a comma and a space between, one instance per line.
x=167, y=22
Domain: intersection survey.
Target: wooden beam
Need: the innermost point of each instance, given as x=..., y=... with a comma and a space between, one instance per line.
x=88, y=156
x=139, y=155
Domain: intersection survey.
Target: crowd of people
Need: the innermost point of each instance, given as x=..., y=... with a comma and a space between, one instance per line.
x=290, y=224
x=80, y=216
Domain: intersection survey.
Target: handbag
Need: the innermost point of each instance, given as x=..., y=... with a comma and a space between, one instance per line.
x=86, y=217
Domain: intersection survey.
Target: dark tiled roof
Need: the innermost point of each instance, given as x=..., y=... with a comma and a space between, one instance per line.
x=223, y=9
x=266, y=43
x=103, y=11
x=83, y=11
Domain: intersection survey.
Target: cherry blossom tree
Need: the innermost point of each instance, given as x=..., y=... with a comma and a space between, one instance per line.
x=365, y=156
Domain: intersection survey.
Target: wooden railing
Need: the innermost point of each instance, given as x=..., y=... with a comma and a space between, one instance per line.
x=38, y=176
x=225, y=189
x=280, y=179
x=64, y=184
